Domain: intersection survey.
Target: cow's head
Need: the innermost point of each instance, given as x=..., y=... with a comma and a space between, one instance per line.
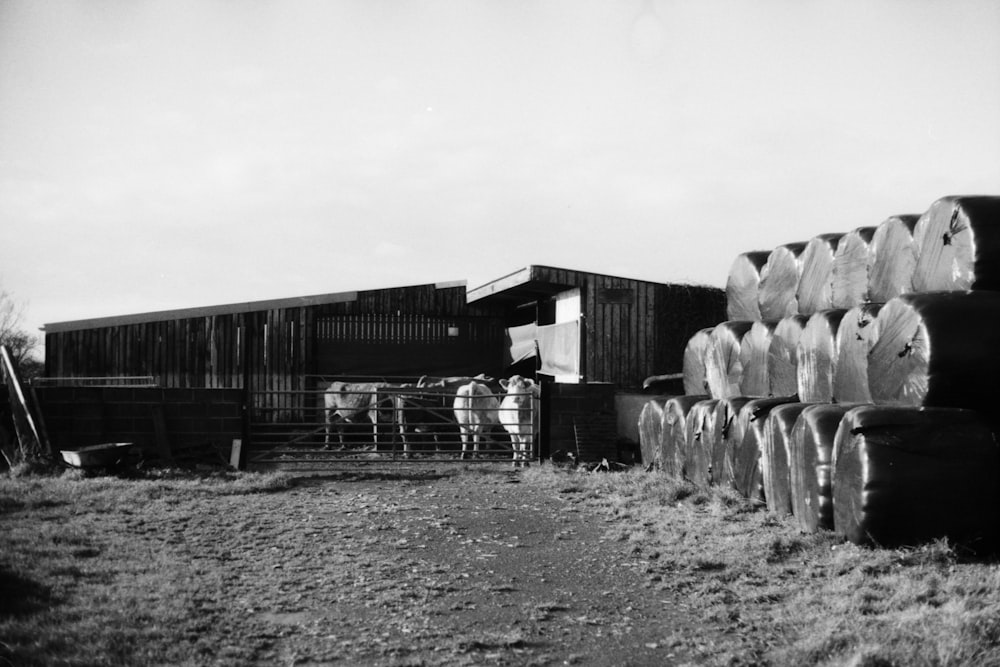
x=516, y=384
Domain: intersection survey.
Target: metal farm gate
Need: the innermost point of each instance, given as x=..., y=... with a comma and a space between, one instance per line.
x=383, y=421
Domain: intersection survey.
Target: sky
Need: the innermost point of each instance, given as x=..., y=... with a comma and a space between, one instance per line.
x=177, y=153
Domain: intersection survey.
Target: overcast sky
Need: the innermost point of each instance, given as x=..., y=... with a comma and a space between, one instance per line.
x=171, y=154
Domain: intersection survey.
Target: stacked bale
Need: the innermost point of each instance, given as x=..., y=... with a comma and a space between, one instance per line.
x=673, y=433
x=782, y=356
x=892, y=258
x=815, y=290
x=905, y=476
x=958, y=245
x=811, y=465
x=743, y=285
x=856, y=335
x=700, y=440
x=756, y=381
x=775, y=457
x=723, y=368
x=817, y=357
x=693, y=364
x=748, y=474
x=729, y=432
x=779, y=282
x=651, y=432
x=850, y=269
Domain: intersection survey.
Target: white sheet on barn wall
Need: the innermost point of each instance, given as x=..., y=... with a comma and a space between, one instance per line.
x=568, y=306
x=559, y=343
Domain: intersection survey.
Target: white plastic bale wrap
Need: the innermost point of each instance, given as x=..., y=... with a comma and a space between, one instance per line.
x=815, y=291
x=729, y=432
x=651, y=432
x=817, y=355
x=937, y=349
x=856, y=335
x=908, y=476
x=700, y=440
x=695, y=352
x=958, y=245
x=723, y=368
x=743, y=285
x=850, y=269
x=673, y=433
x=782, y=355
x=892, y=258
x=811, y=467
x=776, y=455
x=779, y=281
x=753, y=417
x=756, y=381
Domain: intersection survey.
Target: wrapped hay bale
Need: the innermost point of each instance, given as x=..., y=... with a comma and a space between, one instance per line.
x=779, y=281
x=776, y=455
x=856, y=334
x=810, y=465
x=700, y=441
x=743, y=285
x=937, y=349
x=815, y=291
x=730, y=428
x=694, y=362
x=892, y=258
x=753, y=416
x=850, y=269
x=817, y=357
x=756, y=382
x=673, y=433
x=723, y=368
x=958, y=245
x=907, y=476
x=651, y=432
x=782, y=355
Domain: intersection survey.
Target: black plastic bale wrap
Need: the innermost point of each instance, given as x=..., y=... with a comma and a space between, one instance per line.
x=776, y=455
x=782, y=355
x=908, y=476
x=937, y=349
x=756, y=381
x=958, y=245
x=892, y=258
x=815, y=291
x=700, y=440
x=743, y=285
x=811, y=465
x=723, y=368
x=651, y=431
x=779, y=281
x=856, y=335
x=850, y=268
x=817, y=355
x=729, y=431
x=753, y=415
x=673, y=434
x=693, y=364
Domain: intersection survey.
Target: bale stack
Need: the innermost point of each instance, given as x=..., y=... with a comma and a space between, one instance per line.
x=815, y=290
x=779, y=282
x=699, y=442
x=775, y=457
x=756, y=380
x=817, y=357
x=673, y=433
x=850, y=269
x=782, y=355
x=723, y=368
x=651, y=420
x=729, y=432
x=811, y=465
x=749, y=476
x=958, y=245
x=855, y=337
x=743, y=285
x=892, y=258
x=693, y=364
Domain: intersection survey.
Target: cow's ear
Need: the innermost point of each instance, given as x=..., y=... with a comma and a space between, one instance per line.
x=504, y=382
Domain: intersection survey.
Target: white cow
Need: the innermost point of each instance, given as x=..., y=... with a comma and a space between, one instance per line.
x=476, y=411
x=518, y=414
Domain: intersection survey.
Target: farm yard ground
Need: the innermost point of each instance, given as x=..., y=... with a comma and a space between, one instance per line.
x=460, y=565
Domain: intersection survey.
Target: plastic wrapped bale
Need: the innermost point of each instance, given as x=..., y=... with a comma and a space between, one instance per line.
x=779, y=281
x=892, y=258
x=782, y=355
x=958, y=245
x=743, y=285
x=700, y=440
x=776, y=455
x=651, y=432
x=815, y=291
x=723, y=368
x=856, y=335
x=753, y=415
x=939, y=349
x=907, y=476
x=850, y=269
x=756, y=381
x=729, y=431
x=673, y=433
x=810, y=465
x=693, y=364
x=817, y=356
